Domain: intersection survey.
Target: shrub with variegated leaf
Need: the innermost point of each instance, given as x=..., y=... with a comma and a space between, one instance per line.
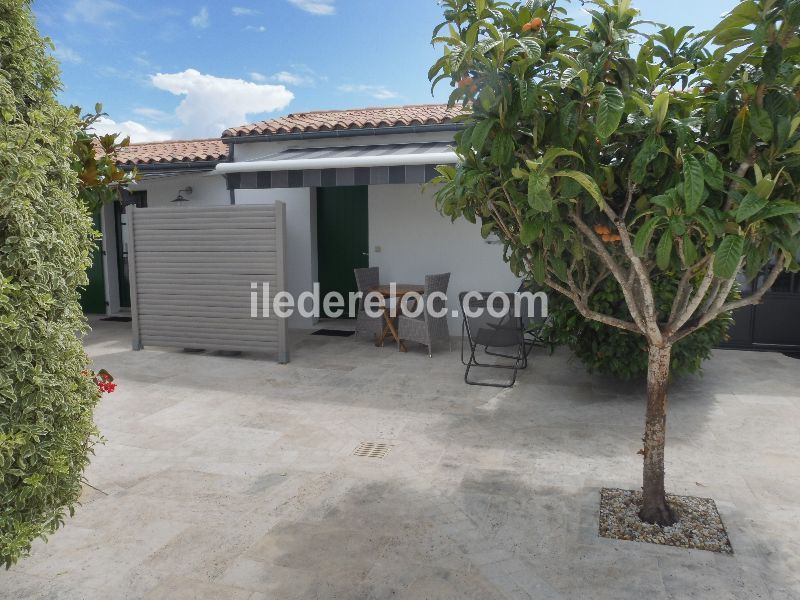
x=47, y=395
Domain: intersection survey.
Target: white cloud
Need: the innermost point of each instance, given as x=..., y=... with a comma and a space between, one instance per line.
x=378, y=92
x=256, y=28
x=292, y=78
x=153, y=114
x=95, y=12
x=212, y=104
x=136, y=131
x=316, y=7
x=241, y=11
x=200, y=20
x=300, y=75
x=66, y=54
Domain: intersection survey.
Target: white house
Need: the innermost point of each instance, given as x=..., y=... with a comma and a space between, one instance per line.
x=354, y=186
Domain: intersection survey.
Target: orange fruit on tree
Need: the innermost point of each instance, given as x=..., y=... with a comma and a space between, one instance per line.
x=602, y=230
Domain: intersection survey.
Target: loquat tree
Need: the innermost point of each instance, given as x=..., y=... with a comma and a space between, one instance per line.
x=594, y=164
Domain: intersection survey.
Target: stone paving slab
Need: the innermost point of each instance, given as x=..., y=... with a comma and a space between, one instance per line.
x=234, y=477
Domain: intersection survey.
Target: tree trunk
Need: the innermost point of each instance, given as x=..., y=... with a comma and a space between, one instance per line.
x=654, y=501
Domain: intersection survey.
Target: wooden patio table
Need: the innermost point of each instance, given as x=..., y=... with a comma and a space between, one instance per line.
x=400, y=290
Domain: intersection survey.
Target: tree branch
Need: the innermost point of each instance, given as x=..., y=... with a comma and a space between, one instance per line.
x=694, y=303
x=614, y=267
x=587, y=313
x=719, y=307
x=648, y=299
x=684, y=287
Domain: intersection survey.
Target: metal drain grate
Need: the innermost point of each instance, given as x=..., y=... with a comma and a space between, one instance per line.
x=372, y=449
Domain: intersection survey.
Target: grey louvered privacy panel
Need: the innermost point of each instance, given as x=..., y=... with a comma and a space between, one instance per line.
x=191, y=271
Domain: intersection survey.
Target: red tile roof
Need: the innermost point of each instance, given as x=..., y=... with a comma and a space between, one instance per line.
x=174, y=151
x=358, y=118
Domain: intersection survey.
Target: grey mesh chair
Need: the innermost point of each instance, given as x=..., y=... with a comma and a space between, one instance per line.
x=427, y=329
x=366, y=279
x=502, y=336
x=531, y=323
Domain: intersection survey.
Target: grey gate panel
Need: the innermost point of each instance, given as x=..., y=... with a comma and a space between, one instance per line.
x=191, y=274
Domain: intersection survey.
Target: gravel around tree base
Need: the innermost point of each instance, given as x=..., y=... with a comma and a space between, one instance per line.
x=699, y=525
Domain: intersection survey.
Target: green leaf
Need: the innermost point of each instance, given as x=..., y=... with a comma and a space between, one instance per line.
x=480, y=132
x=677, y=225
x=528, y=233
x=666, y=200
x=609, y=111
x=502, y=148
x=644, y=235
x=763, y=189
x=778, y=209
x=689, y=250
x=664, y=250
x=726, y=261
x=587, y=182
x=650, y=148
x=735, y=62
x=740, y=135
x=539, y=197
x=713, y=172
x=518, y=173
x=532, y=47
x=486, y=229
x=568, y=76
x=760, y=123
x=538, y=267
x=693, y=183
x=660, y=107
x=568, y=123
x=553, y=153
x=751, y=204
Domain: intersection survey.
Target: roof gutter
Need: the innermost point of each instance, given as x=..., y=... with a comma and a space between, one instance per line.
x=173, y=166
x=338, y=162
x=342, y=133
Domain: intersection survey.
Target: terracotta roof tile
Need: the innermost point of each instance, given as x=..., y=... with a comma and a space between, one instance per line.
x=358, y=118
x=174, y=151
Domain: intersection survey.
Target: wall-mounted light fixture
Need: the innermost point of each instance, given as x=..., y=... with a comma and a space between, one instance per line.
x=187, y=190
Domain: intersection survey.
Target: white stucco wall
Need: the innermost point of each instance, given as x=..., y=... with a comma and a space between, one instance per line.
x=415, y=240
x=207, y=190
x=301, y=238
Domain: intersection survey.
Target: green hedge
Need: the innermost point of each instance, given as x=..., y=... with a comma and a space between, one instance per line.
x=46, y=397
x=611, y=351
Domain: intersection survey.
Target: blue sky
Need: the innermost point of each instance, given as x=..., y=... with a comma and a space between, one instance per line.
x=181, y=69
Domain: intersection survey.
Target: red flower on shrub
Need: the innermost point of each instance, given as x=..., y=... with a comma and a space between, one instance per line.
x=103, y=380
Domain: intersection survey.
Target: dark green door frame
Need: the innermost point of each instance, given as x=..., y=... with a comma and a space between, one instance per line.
x=138, y=199
x=342, y=237
x=93, y=296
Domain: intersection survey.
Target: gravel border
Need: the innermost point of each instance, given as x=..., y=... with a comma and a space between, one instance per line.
x=699, y=524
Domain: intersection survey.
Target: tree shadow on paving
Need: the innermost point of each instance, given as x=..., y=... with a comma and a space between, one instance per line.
x=491, y=536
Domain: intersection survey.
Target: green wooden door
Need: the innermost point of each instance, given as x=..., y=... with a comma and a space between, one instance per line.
x=342, y=237
x=93, y=296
